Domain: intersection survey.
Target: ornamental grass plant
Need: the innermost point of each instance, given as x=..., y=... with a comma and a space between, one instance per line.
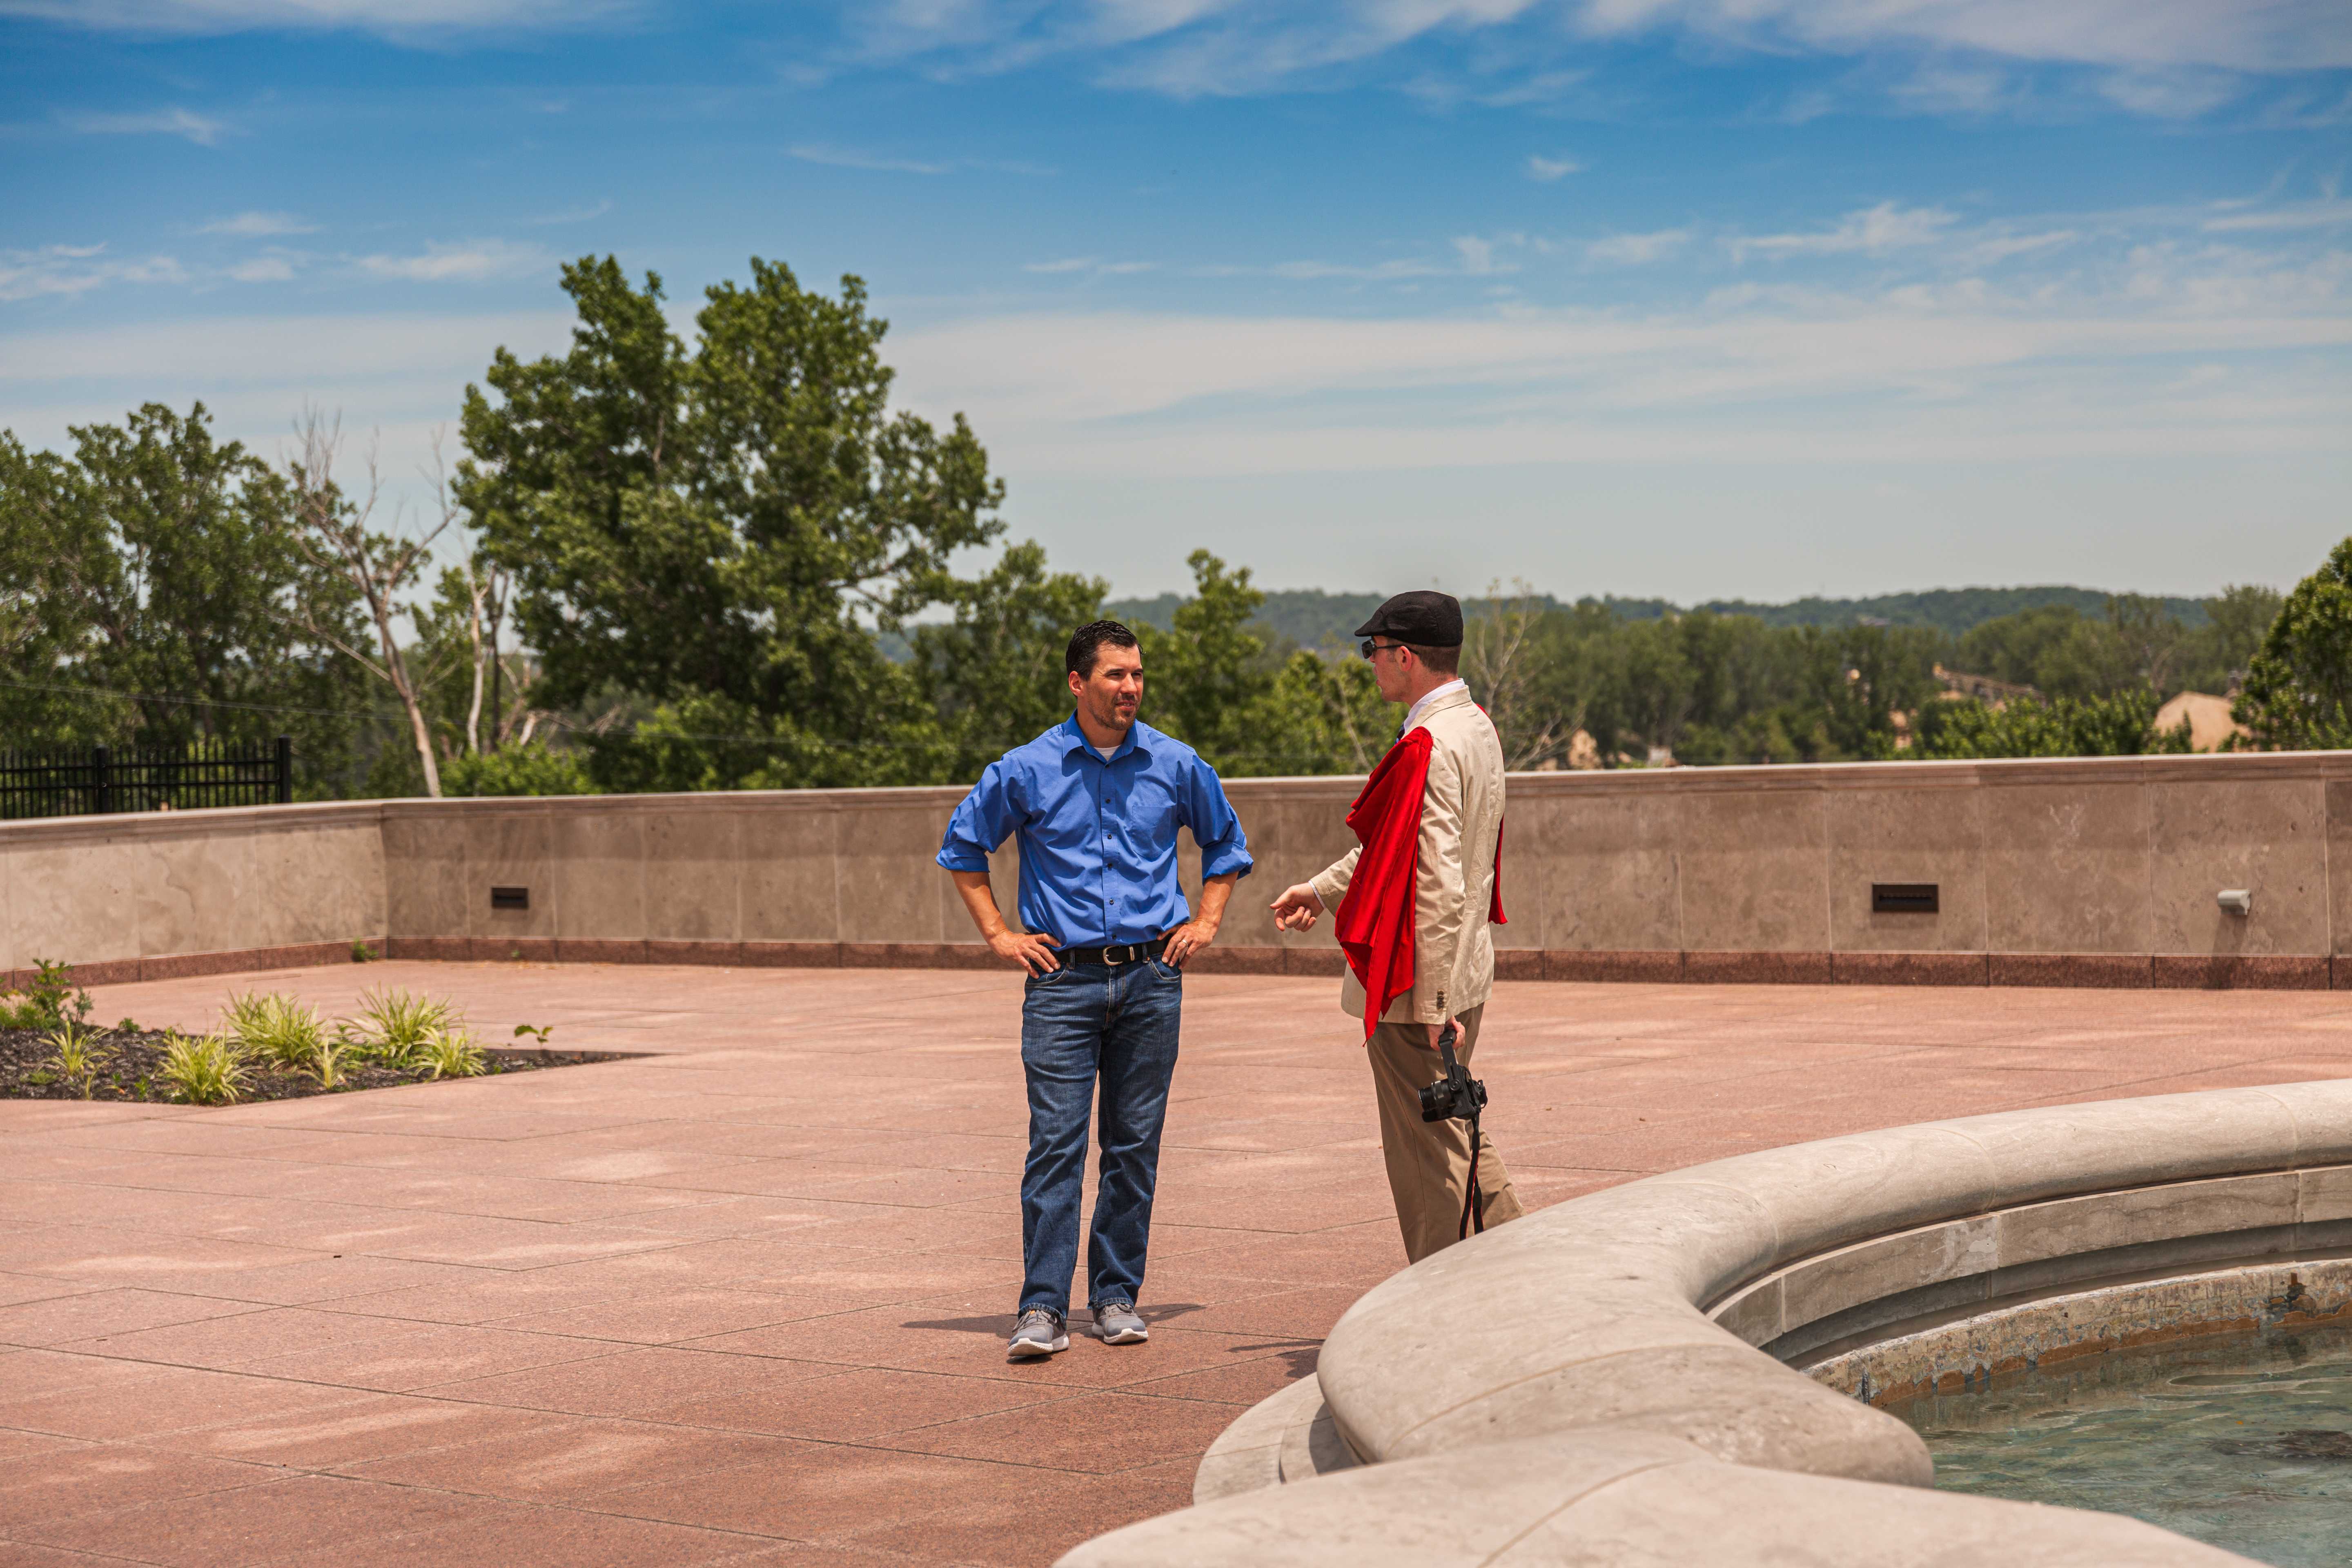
x=275, y=1028
x=450, y=1053
x=78, y=1058
x=204, y=1069
x=394, y=1025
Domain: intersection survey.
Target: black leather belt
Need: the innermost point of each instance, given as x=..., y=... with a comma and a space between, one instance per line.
x=1134, y=954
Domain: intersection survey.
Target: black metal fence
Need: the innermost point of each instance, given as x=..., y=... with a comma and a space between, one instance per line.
x=145, y=778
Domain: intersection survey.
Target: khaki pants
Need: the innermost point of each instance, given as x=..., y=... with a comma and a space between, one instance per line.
x=1428, y=1162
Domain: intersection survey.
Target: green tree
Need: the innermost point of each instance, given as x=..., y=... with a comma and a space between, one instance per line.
x=724, y=528
x=177, y=582
x=2298, y=692
x=2218, y=654
x=1205, y=677
x=2120, y=725
x=1319, y=715
x=995, y=675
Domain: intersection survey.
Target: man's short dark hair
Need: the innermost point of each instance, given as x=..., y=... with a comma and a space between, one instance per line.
x=1087, y=643
x=1440, y=661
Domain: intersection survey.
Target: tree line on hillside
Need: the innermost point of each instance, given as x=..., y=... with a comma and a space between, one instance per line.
x=730, y=563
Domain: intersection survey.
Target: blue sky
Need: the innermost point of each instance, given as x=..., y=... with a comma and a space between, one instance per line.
x=1692, y=298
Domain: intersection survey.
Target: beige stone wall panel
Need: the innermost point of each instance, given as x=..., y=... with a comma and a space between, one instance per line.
x=196, y=894
x=318, y=886
x=596, y=861
x=2264, y=834
x=1753, y=864
x=789, y=891
x=887, y=880
x=1603, y=868
x=425, y=872
x=1932, y=833
x=509, y=846
x=694, y=873
x=2066, y=866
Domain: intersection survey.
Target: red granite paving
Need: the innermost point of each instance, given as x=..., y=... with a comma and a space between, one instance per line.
x=742, y=1300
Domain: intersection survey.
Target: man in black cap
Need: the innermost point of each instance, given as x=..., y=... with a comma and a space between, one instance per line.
x=1415, y=901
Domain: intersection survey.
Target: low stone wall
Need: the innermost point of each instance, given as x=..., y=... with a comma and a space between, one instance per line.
x=2098, y=872
x=1607, y=1379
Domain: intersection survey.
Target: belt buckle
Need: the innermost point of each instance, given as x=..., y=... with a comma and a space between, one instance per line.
x=1111, y=963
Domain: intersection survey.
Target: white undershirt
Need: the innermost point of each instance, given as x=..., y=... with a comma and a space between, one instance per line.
x=1105, y=752
x=1413, y=714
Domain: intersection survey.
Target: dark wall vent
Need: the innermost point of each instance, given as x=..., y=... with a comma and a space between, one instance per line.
x=510, y=897
x=1905, y=898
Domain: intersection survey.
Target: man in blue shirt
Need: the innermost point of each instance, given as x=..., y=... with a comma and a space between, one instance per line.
x=1096, y=802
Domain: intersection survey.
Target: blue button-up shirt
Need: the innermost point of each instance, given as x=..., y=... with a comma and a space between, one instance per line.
x=1098, y=837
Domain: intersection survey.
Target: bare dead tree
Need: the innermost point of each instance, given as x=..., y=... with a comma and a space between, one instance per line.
x=1502, y=665
x=332, y=530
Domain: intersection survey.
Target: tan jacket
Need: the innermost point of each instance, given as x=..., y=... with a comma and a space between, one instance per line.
x=1460, y=817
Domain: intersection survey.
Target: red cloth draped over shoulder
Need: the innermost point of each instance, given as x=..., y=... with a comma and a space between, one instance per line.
x=1375, y=923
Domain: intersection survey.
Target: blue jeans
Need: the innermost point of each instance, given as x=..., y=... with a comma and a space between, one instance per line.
x=1081, y=1026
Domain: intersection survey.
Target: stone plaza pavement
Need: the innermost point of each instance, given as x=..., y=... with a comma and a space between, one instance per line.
x=742, y=1300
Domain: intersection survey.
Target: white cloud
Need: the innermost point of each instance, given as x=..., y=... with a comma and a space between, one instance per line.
x=263, y=269
x=463, y=261
x=1547, y=170
x=850, y=158
x=572, y=215
x=2242, y=35
x=393, y=16
x=1871, y=231
x=256, y=224
x=2304, y=214
x=1093, y=265
x=2171, y=94
x=1191, y=48
x=1636, y=249
x=1478, y=256
x=196, y=127
x=76, y=270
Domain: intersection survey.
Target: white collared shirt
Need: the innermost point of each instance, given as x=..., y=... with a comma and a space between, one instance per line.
x=1413, y=714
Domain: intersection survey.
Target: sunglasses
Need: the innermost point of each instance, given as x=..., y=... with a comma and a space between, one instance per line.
x=1369, y=647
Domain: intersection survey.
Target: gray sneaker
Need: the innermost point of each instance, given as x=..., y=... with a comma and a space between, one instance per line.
x=1039, y=1332
x=1118, y=1324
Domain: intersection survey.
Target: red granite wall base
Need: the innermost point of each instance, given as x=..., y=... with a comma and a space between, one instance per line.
x=189, y=966
x=2242, y=972
x=1910, y=968
x=1756, y=968
x=2097, y=970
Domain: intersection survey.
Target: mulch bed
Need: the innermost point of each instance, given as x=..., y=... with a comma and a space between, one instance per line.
x=132, y=1072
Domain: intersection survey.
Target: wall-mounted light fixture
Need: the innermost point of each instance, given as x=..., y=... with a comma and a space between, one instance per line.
x=2237, y=901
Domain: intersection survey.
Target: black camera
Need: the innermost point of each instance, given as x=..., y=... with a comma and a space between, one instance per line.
x=1455, y=1097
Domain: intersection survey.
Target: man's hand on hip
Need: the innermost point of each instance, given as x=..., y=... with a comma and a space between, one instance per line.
x=1189, y=939
x=1298, y=907
x=1032, y=953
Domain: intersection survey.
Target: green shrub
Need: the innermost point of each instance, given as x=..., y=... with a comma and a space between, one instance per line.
x=75, y=1056
x=393, y=1024
x=207, y=1070
x=517, y=770
x=49, y=1001
x=450, y=1053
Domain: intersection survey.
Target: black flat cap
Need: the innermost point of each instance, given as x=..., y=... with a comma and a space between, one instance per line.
x=1423, y=616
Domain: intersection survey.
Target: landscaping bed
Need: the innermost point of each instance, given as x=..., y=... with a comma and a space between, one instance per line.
x=268, y=1046
x=134, y=1064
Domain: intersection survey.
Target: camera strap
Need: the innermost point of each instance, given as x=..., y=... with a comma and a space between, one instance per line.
x=1474, y=1217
